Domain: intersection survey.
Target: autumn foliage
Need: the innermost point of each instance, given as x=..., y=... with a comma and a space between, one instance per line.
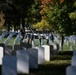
x=42, y=25
x=51, y=1
x=45, y=4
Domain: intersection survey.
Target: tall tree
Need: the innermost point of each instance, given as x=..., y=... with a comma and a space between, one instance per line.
x=34, y=12
x=16, y=11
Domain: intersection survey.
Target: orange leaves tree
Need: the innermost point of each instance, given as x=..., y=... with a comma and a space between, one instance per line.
x=56, y=12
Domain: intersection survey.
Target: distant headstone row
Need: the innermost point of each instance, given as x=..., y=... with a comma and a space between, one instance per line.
x=22, y=58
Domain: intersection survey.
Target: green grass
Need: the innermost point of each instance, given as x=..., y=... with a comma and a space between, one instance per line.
x=2, y=41
x=68, y=47
x=11, y=41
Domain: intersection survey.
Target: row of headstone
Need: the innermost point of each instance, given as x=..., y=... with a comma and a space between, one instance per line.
x=8, y=49
x=71, y=70
x=66, y=40
x=19, y=64
x=33, y=42
x=25, y=59
x=69, y=39
x=43, y=50
x=73, y=39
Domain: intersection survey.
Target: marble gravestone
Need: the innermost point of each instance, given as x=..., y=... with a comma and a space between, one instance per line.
x=40, y=54
x=1, y=55
x=71, y=70
x=2, y=45
x=33, y=58
x=46, y=52
x=22, y=62
x=9, y=65
x=73, y=61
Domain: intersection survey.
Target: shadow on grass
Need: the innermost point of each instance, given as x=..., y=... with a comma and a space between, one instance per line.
x=49, y=69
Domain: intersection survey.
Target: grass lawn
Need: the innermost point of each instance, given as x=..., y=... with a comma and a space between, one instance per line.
x=11, y=41
x=2, y=41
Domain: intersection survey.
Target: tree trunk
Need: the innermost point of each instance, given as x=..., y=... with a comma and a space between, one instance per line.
x=23, y=22
x=9, y=25
x=15, y=27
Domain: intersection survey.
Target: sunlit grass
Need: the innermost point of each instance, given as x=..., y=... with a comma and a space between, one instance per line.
x=11, y=41
x=58, y=62
x=3, y=39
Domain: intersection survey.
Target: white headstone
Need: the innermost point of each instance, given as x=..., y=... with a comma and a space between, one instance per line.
x=33, y=58
x=22, y=62
x=71, y=70
x=40, y=55
x=9, y=65
x=73, y=60
x=1, y=55
x=46, y=52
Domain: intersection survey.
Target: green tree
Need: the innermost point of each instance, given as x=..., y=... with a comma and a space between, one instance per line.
x=34, y=13
x=57, y=14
